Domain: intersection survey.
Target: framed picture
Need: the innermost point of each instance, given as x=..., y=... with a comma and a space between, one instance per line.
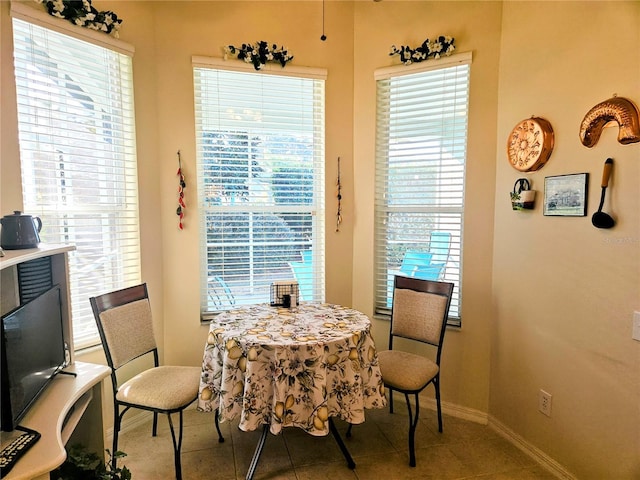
x=566, y=195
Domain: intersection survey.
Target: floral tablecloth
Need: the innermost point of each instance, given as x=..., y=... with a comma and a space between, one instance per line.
x=290, y=367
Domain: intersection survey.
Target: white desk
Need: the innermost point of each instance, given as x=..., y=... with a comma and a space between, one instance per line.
x=65, y=395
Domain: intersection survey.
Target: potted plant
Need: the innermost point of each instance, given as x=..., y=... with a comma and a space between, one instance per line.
x=84, y=465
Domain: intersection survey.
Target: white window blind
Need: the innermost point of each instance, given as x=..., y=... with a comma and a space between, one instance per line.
x=421, y=138
x=77, y=152
x=260, y=156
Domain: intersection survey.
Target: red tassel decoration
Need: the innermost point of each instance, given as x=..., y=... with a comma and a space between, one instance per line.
x=181, y=205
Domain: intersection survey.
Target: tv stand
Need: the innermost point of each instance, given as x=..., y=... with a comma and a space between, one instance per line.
x=70, y=408
x=60, y=412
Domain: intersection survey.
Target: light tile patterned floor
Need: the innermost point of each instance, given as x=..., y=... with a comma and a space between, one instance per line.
x=465, y=450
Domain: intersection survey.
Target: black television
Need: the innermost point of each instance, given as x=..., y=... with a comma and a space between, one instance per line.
x=33, y=352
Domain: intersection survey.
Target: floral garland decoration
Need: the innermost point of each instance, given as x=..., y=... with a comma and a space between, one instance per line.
x=441, y=47
x=259, y=54
x=81, y=12
x=181, y=187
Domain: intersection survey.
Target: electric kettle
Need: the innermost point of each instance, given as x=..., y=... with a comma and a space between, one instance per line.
x=20, y=231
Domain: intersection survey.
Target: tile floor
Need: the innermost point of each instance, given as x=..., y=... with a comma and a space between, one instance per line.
x=465, y=450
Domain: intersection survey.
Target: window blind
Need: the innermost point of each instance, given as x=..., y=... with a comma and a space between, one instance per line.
x=421, y=136
x=78, y=160
x=260, y=156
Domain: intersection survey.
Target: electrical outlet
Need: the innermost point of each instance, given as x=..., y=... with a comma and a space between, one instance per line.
x=544, y=402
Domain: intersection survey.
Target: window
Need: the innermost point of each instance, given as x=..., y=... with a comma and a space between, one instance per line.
x=260, y=156
x=77, y=152
x=421, y=137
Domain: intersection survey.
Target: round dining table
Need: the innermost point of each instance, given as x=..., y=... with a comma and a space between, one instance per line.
x=280, y=367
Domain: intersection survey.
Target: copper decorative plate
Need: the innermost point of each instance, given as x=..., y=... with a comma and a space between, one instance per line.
x=530, y=144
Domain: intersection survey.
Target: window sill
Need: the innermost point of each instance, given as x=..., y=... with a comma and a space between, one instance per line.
x=89, y=350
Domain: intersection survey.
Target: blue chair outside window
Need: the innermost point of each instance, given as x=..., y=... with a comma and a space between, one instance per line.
x=430, y=272
x=303, y=273
x=306, y=255
x=429, y=265
x=220, y=294
x=439, y=246
x=414, y=260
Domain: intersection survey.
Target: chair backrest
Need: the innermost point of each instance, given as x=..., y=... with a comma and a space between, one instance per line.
x=125, y=325
x=439, y=246
x=420, y=310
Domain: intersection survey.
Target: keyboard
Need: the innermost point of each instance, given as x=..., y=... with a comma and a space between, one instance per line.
x=18, y=447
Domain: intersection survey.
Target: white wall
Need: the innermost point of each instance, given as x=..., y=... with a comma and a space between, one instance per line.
x=564, y=291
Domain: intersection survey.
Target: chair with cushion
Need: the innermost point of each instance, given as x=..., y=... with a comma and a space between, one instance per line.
x=126, y=330
x=420, y=310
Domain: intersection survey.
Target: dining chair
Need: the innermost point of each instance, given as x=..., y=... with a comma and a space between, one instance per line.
x=125, y=325
x=419, y=313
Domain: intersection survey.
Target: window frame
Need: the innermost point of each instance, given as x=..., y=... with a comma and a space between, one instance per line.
x=222, y=298
x=446, y=214
x=117, y=271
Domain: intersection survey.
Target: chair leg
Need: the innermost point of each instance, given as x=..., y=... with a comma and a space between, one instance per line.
x=390, y=400
x=220, y=437
x=116, y=430
x=349, y=430
x=154, y=431
x=117, y=423
x=413, y=423
x=177, y=445
x=436, y=384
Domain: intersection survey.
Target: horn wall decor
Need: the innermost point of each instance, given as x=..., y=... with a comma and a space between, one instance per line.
x=616, y=109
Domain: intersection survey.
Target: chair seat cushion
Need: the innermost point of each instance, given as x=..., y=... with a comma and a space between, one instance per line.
x=162, y=388
x=406, y=371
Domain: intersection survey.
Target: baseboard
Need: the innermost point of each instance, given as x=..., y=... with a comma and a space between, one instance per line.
x=133, y=419
x=453, y=410
x=538, y=455
x=477, y=416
